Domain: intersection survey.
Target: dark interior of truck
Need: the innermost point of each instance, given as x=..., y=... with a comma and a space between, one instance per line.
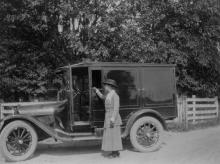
x=82, y=90
x=80, y=116
x=80, y=84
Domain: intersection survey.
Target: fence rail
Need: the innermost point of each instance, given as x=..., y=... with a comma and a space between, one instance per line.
x=194, y=110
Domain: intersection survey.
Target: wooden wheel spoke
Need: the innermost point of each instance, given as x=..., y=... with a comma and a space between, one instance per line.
x=26, y=135
x=18, y=130
x=141, y=140
x=11, y=138
x=20, y=148
x=139, y=136
x=153, y=128
x=13, y=148
x=24, y=147
x=25, y=144
x=22, y=133
x=142, y=129
x=26, y=140
x=14, y=134
x=149, y=126
x=140, y=132
x=12, y=142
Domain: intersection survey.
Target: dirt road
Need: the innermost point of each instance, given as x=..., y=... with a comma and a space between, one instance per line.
x=194, y=147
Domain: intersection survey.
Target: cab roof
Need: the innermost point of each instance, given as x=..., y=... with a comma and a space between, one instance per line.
x=116, y=64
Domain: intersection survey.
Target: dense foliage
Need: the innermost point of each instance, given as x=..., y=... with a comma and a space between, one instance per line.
x=184, y=32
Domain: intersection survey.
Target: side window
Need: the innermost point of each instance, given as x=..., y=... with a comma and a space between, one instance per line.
x=127, y=81
x=158, y=86
x=97, y=82
x=97, y=78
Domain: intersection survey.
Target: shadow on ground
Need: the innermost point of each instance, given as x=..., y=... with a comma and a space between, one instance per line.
x=73, y=148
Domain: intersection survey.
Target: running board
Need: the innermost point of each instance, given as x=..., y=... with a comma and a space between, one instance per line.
x=76, y=136
x=81, y=123
x=73, y=134
x=86, y=138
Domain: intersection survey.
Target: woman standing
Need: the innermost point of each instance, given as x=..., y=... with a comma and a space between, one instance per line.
x=112, y=131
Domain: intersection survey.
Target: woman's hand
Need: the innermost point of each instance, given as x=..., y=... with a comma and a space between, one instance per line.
x=111, y=124
x=100, y=95
x=94, y=89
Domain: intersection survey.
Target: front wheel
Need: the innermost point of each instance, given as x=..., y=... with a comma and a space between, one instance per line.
x=18, y=141
x=146, y=134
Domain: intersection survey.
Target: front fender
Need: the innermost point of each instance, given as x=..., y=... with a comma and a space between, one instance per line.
x=143, y=112
x=29, y=119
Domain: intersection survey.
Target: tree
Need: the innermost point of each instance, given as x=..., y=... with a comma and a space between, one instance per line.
x=185, y=33
x=30, y=47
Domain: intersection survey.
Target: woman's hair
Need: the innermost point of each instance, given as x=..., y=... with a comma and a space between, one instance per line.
x=110, y=86
x=113, y=88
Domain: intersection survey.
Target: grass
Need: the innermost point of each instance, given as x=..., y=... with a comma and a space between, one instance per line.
x=177, y=127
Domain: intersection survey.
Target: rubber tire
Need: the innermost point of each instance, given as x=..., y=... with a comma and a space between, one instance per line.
x=135, y=127
x=6, y=131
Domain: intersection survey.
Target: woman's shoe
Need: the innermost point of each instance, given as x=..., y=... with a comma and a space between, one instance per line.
x=111, y=155
x=115, y=154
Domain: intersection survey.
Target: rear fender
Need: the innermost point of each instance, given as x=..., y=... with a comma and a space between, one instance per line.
x=36, y=124
x=140, y=113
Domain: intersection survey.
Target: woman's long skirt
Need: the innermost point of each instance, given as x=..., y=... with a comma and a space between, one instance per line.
x=111, y=140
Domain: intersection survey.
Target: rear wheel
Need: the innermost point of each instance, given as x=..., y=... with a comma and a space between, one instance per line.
x=18, y=141
x=147, y=134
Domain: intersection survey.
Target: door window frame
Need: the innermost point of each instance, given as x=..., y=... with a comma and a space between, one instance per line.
x=136, y=70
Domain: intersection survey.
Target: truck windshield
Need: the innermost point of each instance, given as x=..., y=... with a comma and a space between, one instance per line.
x=62, y=79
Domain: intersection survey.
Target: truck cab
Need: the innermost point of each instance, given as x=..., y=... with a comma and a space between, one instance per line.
x=147, y=99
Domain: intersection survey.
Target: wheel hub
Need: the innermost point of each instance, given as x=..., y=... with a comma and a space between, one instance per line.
x=20, y=141
x=148, y=135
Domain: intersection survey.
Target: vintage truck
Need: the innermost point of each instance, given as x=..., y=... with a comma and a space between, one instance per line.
x=147, y=99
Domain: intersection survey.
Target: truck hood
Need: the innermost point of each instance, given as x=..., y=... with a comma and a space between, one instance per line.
x=33, y=108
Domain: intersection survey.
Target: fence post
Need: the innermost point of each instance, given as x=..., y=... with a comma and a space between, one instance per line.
x=1, y=110
x=180, y=109
x=216, y=103
x=194, y=109
x=184, y=112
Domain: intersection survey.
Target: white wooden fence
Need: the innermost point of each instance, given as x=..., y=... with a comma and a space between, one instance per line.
x=194, y=110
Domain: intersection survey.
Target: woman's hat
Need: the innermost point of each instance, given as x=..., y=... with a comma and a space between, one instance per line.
x=111, y=82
